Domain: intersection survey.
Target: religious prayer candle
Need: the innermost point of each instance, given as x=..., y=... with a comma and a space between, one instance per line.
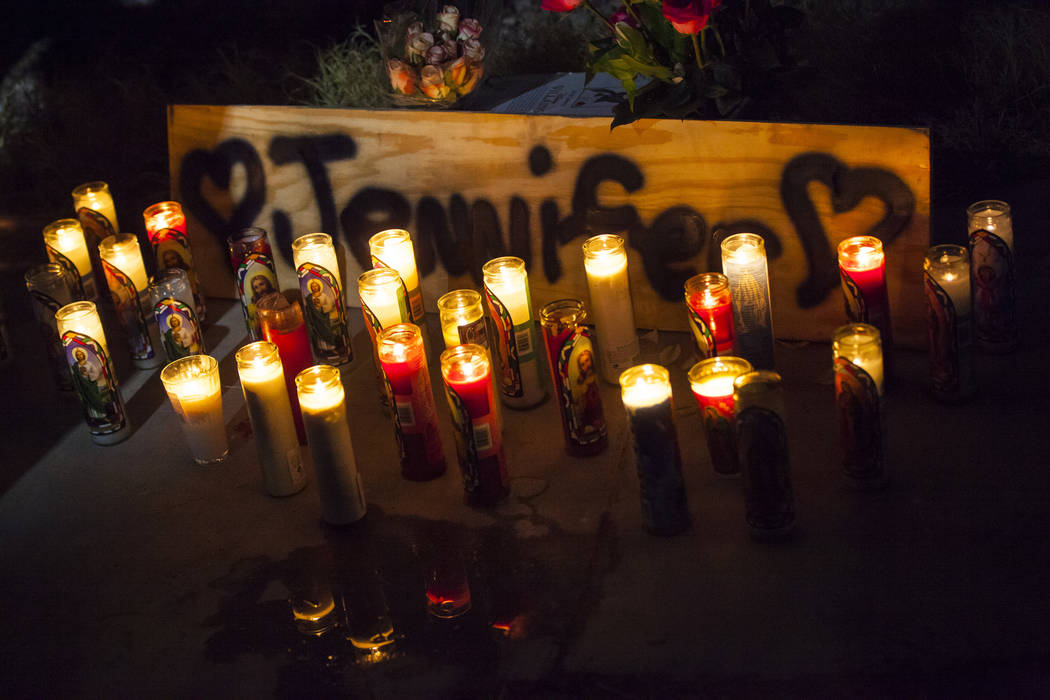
x=949, y=312
x=712, y=383
x=66, y=245
x=254, y=273
x=335, y=469
x=857, y=355
x=479, y=444
x=744, y=265
x=404, y=365
x=270, y=412
x=166, y=228
x=763, y=453
x=281, y=323
x=993, y=275
x=463, y=318
x=514, y=344
x=173, y=308
x=193, y=387
x=51, y=286
x=126, y=277
x=646, y=394
x=605, y=262
x=862, y=267
x=87, y=354
x=393, y=248
x=710, y=306
x=94, y=207
x=383, y=304
x=322, y=290
x=574, y=377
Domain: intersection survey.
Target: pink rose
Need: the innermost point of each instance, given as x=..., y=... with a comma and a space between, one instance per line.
x=689, y=16
x=469, y=29
x=432, y=83
x=448, y=19
x=436, y=55
x=473, y=50
x=402, y=77
x=418, y=46
x=560, y=5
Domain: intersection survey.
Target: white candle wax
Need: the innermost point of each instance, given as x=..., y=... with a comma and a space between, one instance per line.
x=859, y=349
x=122, y=251
x=605, y=262
x=270, y=413
x=323, y=402
x=393, y=248
x=99, y=200
x=714, y=387
x=957, y=287
x=320, y=252
x=461, y=309
x=380, y=292
x=86, y=323
x=744, y=263
x=994, y=220
x=67, y=237
x=506, y=279
x=193, y=387
x=645, y=389
x=511, y=288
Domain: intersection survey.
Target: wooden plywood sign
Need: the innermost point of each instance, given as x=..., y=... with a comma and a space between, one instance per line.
x=473, y=186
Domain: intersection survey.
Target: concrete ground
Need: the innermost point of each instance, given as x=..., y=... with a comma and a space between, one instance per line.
x=131, y=572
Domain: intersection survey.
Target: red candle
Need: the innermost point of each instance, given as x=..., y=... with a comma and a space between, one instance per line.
x=479, y=445
x=862, y=267
x=282, y=324
x=166, y=228
x=712, y=383
x=710, y=305
x=404, y=363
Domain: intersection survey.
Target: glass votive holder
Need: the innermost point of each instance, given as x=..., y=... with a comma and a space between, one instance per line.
x=712, y=383
x=193, y=387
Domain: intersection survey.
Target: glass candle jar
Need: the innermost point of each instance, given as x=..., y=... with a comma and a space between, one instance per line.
x=857, y=355
x=763, y=452
x=281, y=323
x=514, y=344
x=126, y=277
x=862, y=269
x=181, y=334
x=193, y=387
x=253, y=271
x=744, y=265
x=166, y=228
x=322, y=290
x=949, y=313
x=393, y=249
x=51, y=286
x=993, y=275
x=66, y=245
x=712, y=383
x=462, y=318
x=710, y=305
x=609, y=287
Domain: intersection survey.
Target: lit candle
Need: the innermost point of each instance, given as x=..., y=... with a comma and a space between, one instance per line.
x=763, y=453
x=712, y=383
x=462, y=318
x=573, y=375
x=507, y=294
x=857, y=354
x=94, y=207
x=993, y=275
x=404, y=362
x=605, y=262
x=383, y=304
x=126, y=277
x=479, y=443
x=65, y=244
x=710, y=305
x=646, y=394
x=51, y=286
x=322, y=290
x=87, y=354
x=946, y=275
x=393, y=248
x=744, y=264
x=270, y=412
x=335, y=469
x=180, y=329
x=166, y=228
x=254, y=273
x=862, y=267
x=281, y=323
x=193, y=388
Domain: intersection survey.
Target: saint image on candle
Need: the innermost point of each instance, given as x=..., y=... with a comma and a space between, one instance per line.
x=857, y=356
x=66, y=245
x=744, y=265
x=993, y=275
x=254, y=271
x=712, y=380
x=393, y=249
x=322, y=290
x=946, y=281
x=126, y=276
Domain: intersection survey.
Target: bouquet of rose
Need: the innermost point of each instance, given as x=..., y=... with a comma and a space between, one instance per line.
x=679, y=58
x=436, y=62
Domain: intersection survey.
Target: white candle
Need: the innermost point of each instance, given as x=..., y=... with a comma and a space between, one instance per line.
x=393, y=248
x=382, y=295
x=744, y=263
x=462, y=318
x=66, y=236
x=507, y=289
x=647, y=386
x=859, y=344
x=951, y=329
x=605, y=261
x=323, y=298
x=323, y=402
x=96, y=197
x=317, y=248
x=994, y=217
x=82, y=317
x=122, y=251
x=270, y=412
x=193, y=387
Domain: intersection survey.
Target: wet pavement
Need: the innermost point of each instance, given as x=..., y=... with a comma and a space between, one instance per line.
x=130, y=571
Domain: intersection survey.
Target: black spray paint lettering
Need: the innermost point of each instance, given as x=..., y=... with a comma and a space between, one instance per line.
x=463, y=237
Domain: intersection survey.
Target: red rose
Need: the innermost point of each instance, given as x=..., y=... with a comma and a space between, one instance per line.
x=689, y=16
x=560, y=5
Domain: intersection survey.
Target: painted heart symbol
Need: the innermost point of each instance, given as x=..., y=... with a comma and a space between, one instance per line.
x=218, y=165
x=848, y=187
